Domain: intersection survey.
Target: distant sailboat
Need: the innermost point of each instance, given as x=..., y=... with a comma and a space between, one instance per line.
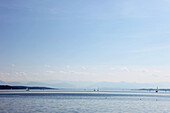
x=94, y=89
x=27, y=89
x=156, y=90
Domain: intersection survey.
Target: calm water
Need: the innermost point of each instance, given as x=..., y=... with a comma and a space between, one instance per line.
x=84, y=102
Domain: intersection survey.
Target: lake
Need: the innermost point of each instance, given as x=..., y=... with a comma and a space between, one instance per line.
x=118, y=101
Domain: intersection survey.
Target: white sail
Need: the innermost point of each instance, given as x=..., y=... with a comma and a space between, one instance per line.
x=26, y=89
x=157, y=90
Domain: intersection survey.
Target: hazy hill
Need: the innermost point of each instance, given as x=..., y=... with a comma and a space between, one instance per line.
x=21, y=87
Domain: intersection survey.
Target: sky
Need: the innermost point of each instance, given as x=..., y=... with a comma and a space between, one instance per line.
x=85, y=40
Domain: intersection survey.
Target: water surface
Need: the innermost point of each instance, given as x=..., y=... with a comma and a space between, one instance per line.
x=133, y=101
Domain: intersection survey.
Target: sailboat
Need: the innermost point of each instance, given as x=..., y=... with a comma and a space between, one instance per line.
x=156, y=90
x=27, y=89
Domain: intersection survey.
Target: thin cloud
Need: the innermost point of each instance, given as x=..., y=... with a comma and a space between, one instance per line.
x=50, y=72
x=83, y=67
x=151, y=49
x=125, y=69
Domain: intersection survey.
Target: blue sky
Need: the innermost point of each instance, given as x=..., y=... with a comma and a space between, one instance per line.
x=83, y=40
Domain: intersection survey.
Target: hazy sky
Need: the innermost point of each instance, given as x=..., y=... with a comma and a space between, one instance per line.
x=85, y=40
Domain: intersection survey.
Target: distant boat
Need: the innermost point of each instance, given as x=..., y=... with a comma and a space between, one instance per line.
x=156, y=90
x=27, y=89
x=94, y=89
x=98, y=89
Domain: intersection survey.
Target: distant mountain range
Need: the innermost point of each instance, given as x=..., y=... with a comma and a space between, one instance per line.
x=2, y=83
x=90, y=85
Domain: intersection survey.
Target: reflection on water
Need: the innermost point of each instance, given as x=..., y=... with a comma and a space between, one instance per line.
x=83, y=101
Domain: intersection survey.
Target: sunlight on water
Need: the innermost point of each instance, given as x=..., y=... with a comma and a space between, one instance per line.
x=81, y=101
